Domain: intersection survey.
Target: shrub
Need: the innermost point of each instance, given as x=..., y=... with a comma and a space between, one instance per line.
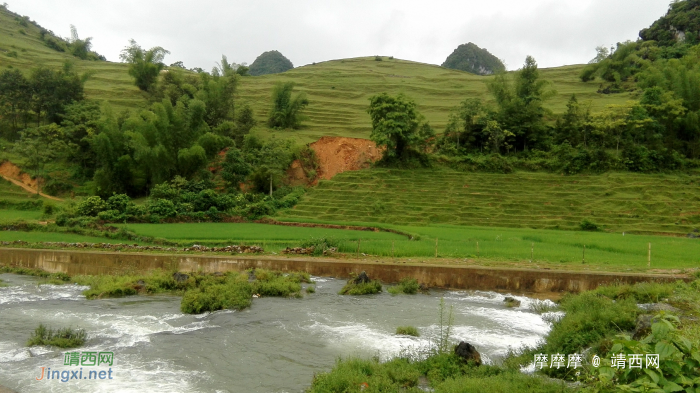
x=91, y=206
x=407, y=331
x=62, y=338
x=161, y=208
x=408, y=286
x=367, y=288
x=310, y=289
x=235, y=293
x=280, y=286
x=119, y=202
x=587, y=225
x=49, y=209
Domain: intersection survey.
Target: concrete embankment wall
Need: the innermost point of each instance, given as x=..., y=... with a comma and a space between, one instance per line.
x=455, y=277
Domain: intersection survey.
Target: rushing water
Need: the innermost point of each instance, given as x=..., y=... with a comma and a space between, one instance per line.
x=275, y=346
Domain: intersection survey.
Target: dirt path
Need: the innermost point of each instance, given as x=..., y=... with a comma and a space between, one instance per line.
x=14, y=174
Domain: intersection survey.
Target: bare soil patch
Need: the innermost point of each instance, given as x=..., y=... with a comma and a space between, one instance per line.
x=337, y=155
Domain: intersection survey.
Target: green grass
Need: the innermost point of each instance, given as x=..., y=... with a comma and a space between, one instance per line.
x=248, y=233
x=34, y=237
x=61, y=338
x=365, y=288
x=407, y=331
x=617, y=202
x=444, y=372
x=10, y=215
x=408, y=286
x=605, y=250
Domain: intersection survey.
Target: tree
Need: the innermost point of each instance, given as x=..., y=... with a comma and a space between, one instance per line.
x=144, y=65
x=286, y=110
x=520, y=102
x=396, y=124
x=235, y=169
x=79, y=48
x=53, y=90
x=15, y=99
x=497, y=136
x=39, y=146
x=611, y=124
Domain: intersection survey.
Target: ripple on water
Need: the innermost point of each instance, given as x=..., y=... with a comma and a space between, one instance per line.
x=37, y=293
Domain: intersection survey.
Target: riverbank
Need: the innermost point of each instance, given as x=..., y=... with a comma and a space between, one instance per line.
x=449, y=274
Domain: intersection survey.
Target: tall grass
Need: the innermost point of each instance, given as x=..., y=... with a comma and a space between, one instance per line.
x=61, y=338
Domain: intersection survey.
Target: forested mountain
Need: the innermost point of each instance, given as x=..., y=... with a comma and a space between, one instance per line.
x=271, y=62
x=469, y=57
x=680, y=24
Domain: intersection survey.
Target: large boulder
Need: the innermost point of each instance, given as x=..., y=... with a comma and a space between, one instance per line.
x=468, y=353
x=361, y=278
x=180, y=277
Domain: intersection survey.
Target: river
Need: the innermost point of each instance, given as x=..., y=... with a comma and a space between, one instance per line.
x=275, y=346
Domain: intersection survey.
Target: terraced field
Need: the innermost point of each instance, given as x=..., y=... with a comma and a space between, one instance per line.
x=643, y=204
x=21, y=47
x=338, y=92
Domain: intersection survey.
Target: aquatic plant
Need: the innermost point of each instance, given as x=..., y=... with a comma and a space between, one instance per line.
x=366, y=288
x=407, y=285
x=235, y=292
x=407, y=331
x=62, y=338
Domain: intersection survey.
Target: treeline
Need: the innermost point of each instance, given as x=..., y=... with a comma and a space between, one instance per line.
x=192, y=143
x=42, y=97
x=658, y=131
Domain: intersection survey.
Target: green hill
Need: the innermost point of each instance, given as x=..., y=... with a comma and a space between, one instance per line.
x=22, y=47
x=337, y=90
x=620, y=202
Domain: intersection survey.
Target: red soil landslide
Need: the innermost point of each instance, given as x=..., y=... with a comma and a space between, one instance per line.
x=14, y=174
x=337, y=155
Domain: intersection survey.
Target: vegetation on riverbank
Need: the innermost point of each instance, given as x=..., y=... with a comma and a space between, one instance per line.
x=603, y=322
x=61, y=338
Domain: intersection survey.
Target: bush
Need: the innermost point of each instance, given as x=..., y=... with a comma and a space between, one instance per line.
x=119, y=202
x=235, y=293
x=407, y=331
x=161, y=208
x=408, y=286
x=587, y=225
x=280, y=286
x=91, y=206
x=62, y=338
x=367, y=288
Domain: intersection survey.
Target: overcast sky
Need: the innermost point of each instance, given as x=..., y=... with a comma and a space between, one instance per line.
x=555, y=32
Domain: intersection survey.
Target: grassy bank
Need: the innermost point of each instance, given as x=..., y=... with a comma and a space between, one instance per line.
x=603, y=321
